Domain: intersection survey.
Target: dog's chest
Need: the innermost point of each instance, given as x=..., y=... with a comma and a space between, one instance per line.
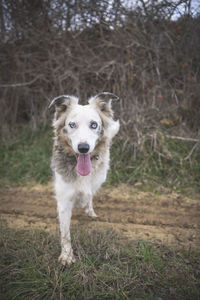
x=81, y=200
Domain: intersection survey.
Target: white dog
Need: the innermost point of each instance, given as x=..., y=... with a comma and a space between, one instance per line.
x=80, y=161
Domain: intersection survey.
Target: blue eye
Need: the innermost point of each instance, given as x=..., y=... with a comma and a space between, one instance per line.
x=72, y=124
x=93, y=125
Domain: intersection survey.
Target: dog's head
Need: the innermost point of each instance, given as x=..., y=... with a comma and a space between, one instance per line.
x=82, y=127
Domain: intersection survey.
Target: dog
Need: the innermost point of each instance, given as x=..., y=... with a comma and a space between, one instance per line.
x=80, y=160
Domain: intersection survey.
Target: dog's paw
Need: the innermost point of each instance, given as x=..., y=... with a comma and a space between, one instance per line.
x=66, y=258
x=91, y=213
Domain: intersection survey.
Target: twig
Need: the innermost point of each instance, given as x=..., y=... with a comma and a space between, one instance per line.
x=162, y=155
x=182, y=138
x=191, y=151
x=20, y=84
x=173, y=137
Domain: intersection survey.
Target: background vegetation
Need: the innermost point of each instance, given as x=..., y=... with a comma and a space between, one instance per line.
x=146, y=52
x=25, y=159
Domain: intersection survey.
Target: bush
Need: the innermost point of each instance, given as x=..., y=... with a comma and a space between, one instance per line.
x=141, y=53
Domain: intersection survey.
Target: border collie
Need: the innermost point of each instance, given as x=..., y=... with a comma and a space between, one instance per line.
x=80, y=160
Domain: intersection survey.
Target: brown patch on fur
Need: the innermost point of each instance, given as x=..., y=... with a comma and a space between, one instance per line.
x=103, y=102
x=64, y=142
x=62, y=103
x=60, y=122
x=61, y=138
x=64, y=159
x=64, y=163
x=104, y=107
x=60, y=110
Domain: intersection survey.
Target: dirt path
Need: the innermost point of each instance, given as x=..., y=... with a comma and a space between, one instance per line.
x=169, y=218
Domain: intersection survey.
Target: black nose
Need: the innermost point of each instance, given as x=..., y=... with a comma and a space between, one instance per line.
x=83, y=147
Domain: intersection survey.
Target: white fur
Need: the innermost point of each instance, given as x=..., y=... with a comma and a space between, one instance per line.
x=79, y=193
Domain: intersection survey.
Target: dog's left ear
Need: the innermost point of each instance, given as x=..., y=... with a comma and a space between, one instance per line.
x=104, y=102
x=61, y=103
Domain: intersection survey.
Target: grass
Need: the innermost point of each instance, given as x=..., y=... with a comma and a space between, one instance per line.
x=26, y=158
x=107, y=267
x=151, y=170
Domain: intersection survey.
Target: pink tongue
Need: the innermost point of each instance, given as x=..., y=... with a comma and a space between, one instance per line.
x=84, y=164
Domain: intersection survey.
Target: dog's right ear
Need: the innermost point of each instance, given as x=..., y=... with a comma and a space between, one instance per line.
x=62, y=103
x=104, y=102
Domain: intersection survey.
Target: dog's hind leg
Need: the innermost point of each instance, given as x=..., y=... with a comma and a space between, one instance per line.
x=89, y=208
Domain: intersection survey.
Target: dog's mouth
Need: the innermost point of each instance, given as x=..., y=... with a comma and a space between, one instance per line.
x=84, y=164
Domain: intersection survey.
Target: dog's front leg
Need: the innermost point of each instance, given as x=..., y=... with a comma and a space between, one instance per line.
x=64, y=196
x=65, y=212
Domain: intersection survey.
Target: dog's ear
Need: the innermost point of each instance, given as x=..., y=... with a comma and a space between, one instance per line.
x=61, y=103
x=104, y=101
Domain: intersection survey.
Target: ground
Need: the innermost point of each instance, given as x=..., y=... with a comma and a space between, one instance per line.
x=162, y=216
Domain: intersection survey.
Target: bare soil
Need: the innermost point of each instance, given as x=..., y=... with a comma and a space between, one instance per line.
x=164, y=217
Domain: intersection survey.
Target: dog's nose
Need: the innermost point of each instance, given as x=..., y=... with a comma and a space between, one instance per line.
x=83, y=147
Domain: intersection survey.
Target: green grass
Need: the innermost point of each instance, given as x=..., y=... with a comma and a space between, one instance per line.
x=26, y=158
x=107, y=267
x=151, y=170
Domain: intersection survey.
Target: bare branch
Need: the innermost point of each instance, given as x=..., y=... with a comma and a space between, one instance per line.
x=191, y=152
x=13, y=85
x=182, y=138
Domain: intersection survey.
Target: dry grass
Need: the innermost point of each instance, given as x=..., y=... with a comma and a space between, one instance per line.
x=107, y=267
